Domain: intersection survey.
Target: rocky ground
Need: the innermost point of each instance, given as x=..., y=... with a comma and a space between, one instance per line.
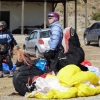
x=92, y=54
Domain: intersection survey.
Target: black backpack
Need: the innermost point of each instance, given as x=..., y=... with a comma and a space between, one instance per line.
x=24, y=76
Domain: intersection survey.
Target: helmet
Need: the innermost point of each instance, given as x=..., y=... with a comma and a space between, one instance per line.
x=3, y=23
x=53, y=14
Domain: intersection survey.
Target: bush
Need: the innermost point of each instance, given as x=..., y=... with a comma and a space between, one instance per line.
x=96, y=16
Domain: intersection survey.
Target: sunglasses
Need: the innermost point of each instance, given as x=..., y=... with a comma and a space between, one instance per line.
x=50, y=17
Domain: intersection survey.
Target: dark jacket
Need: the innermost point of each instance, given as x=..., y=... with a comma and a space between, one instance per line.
x=6, y=37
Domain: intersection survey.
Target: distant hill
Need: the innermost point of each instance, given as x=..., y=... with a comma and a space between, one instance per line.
x=93, y=7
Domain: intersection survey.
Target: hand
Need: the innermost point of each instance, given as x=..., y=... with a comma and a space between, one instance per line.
x=49, y=54
x=17, y=47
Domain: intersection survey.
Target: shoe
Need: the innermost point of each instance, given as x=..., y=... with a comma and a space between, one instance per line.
x=1, y=74
x=11, y=74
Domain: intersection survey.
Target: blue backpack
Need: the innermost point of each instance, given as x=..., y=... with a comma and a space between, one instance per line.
x=41, y=64
x=6, y=68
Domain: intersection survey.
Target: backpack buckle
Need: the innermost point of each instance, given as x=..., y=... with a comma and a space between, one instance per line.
x=31, y=87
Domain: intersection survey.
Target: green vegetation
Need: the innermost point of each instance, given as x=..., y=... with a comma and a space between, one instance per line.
x=96, y=16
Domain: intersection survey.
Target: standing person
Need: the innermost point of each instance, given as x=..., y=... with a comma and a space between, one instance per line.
x=55, y=41
x=6, y=38
x=13, y=41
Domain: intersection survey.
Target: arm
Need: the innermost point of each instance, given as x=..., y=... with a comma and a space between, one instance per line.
x=13, y=40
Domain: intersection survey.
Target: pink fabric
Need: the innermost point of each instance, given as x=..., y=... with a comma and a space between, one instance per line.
x=67, y=36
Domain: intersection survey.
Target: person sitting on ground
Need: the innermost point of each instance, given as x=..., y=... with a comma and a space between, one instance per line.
x=6, y=39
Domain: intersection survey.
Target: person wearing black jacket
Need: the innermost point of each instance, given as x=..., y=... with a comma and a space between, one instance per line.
x=6, y=44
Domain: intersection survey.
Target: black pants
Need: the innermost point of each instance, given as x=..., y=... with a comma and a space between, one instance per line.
x=8, y=61
x=54, y=65
x=52, y=61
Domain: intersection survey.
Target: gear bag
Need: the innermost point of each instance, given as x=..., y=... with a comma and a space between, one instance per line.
x=73, y=52
x=22, y=78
